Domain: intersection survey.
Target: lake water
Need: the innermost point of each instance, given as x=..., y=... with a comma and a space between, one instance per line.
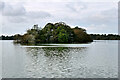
x=98, y=59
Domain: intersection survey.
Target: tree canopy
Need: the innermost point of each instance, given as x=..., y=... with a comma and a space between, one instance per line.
x=55, y=33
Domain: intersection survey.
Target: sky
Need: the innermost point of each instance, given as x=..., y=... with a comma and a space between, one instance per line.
x=96, y=16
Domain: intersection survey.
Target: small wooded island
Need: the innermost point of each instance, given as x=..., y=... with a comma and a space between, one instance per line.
x=54, y=33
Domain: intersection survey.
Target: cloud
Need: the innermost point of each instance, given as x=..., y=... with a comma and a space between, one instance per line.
x=62, y=0
x=103, y=17
x=24, y=15
x=76, y=6
x=28, y=17
x=95, y=27
x=111, y=13
x=13, y=10
x=102, y=28
x=16, y=13
x=1, y=6
x=38, y=14
x=17, y=19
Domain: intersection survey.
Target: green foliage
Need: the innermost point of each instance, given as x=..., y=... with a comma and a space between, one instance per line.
x=55, y=33
x=63, y=36
x=6, y=37
x=58, y=33
x=105, y=37
x=81, y=36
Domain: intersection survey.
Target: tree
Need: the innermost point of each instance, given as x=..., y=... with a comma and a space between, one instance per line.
x=63, y=36
x=81, y=36
x=28, y=39
x=55, y=33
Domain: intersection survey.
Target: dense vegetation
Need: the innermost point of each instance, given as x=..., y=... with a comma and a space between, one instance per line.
x=93, y=36
x=54, y=33
x=58, y=33
x=6, y=37
x=105, y=37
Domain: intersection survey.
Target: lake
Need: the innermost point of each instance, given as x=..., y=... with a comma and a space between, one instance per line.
x=98, y=59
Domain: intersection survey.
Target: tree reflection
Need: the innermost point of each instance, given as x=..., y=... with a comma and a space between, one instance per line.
x=56, y=51
x=53, y=51
x=34, y=51
x=41, y=60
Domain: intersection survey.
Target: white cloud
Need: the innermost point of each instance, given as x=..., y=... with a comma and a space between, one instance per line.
x=76, y=7
x=1, y=5
x=62, y=0
x=106, y=16
x=102, y=28
x=16, y=13
x=13, y=10
x=22, y=15
x=16, y=19
x=39, y=14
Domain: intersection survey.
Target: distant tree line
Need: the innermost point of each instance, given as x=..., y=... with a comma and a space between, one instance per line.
x=105, y=36
x=6, y=37
x=58, y=33
x=93, y=36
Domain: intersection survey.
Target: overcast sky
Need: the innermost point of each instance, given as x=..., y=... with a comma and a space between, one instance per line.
x=94, y=16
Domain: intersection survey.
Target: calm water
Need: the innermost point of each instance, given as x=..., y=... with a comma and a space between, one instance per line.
x=98, y=59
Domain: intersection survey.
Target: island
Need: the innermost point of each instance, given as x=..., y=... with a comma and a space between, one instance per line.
x=53, y=33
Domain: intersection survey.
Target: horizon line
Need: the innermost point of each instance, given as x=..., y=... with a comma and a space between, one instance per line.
x=88, y=33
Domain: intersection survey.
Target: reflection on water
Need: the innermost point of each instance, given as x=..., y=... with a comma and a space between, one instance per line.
x=62, y=62
x=51, y=62
x=52, y=52
x=98, y=60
